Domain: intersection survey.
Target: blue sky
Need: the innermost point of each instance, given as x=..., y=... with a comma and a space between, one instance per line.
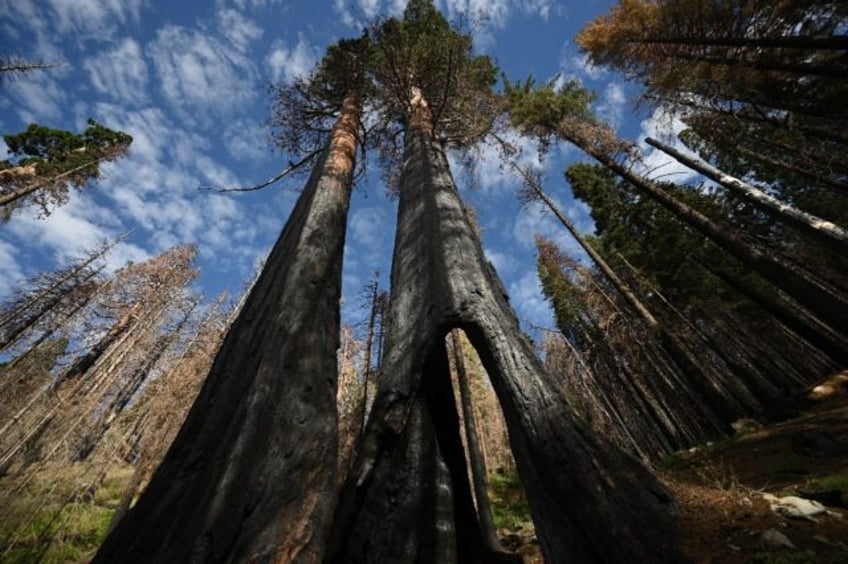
x=189, y=81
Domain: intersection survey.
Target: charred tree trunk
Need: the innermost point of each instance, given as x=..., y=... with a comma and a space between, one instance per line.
x=251, y=475
x=590, y=501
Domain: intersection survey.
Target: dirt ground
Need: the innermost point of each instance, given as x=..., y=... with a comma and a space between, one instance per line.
x=720, y=488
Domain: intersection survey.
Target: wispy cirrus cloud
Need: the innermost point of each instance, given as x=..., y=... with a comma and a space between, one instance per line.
x=78, y=218
x=121, y=73
x=238, y=28
x=288, y=63
x=200, y=75
x=93, y=19
x=38, y=98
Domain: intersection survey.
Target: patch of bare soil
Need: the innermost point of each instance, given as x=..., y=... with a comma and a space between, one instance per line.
x=720, y=489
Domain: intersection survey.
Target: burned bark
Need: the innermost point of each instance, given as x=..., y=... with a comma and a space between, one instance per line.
x=590, y=501
x=251, y=475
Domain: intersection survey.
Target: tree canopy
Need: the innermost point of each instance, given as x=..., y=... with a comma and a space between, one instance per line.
x=45, y=162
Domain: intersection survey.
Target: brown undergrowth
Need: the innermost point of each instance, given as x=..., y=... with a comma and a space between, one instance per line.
x=720, y=487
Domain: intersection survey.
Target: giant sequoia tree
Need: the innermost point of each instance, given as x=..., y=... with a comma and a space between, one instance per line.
x=408, y=497
x=252, y=473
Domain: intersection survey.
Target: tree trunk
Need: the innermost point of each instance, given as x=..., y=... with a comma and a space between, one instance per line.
x=479, y=474
x=590, y=501
x=55, y=285
x=822, y=230
x=369, y=347
x=800, y=69
x=808, y=327
x=37, y=183
x=86, y=361
x=828, y=304
x=251, y=475
x=43, y=307
x=823, y=179
x=826, y=42
x=610, y=274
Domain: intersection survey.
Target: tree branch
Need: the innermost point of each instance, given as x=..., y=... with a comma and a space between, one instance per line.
x=293, y=166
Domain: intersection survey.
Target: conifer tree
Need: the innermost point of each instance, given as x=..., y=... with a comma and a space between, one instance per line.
x=252, y=473
x=46, y=162
x=547, y=113
x=411, y=462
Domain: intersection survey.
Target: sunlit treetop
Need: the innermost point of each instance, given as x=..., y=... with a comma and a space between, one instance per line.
x=305, y=110
x=54, y=150
x=423, y=55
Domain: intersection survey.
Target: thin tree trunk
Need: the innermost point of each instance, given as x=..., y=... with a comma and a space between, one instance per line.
x=38, y=183
x=610, y=274
x=369, y=346
x=754, y=114
x=251, y=475
x=44, y=308
x=822, y=179
x=824, y=42
x=822, y=230
x=808, y=327
x=800, y=69
x=827, y=303
x=58, y=283
x=479, y=474
x=590, y=501
x=86, y=361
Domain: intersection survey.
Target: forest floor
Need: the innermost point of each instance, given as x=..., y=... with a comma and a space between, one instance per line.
x=723, y=489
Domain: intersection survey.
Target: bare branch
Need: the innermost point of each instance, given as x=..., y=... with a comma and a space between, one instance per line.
x=293, y=166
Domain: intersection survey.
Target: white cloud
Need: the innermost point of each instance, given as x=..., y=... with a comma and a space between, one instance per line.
x=528, y=301
x=504, y=263
x=490, y=13
x=200, y=75
x=95, y=19
x=155, y=136
x=579, y=67
x=656, y=164
x=236, y=27
x=120, y=73
x=368, y=228
x=12, y=272
x=611, y=107
x=38, y=97
x=246, y=140
x=541, y=8
x=358, y=13
x=287, y=64
x=492, y=174
x=70, y=231
x=535, y=218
